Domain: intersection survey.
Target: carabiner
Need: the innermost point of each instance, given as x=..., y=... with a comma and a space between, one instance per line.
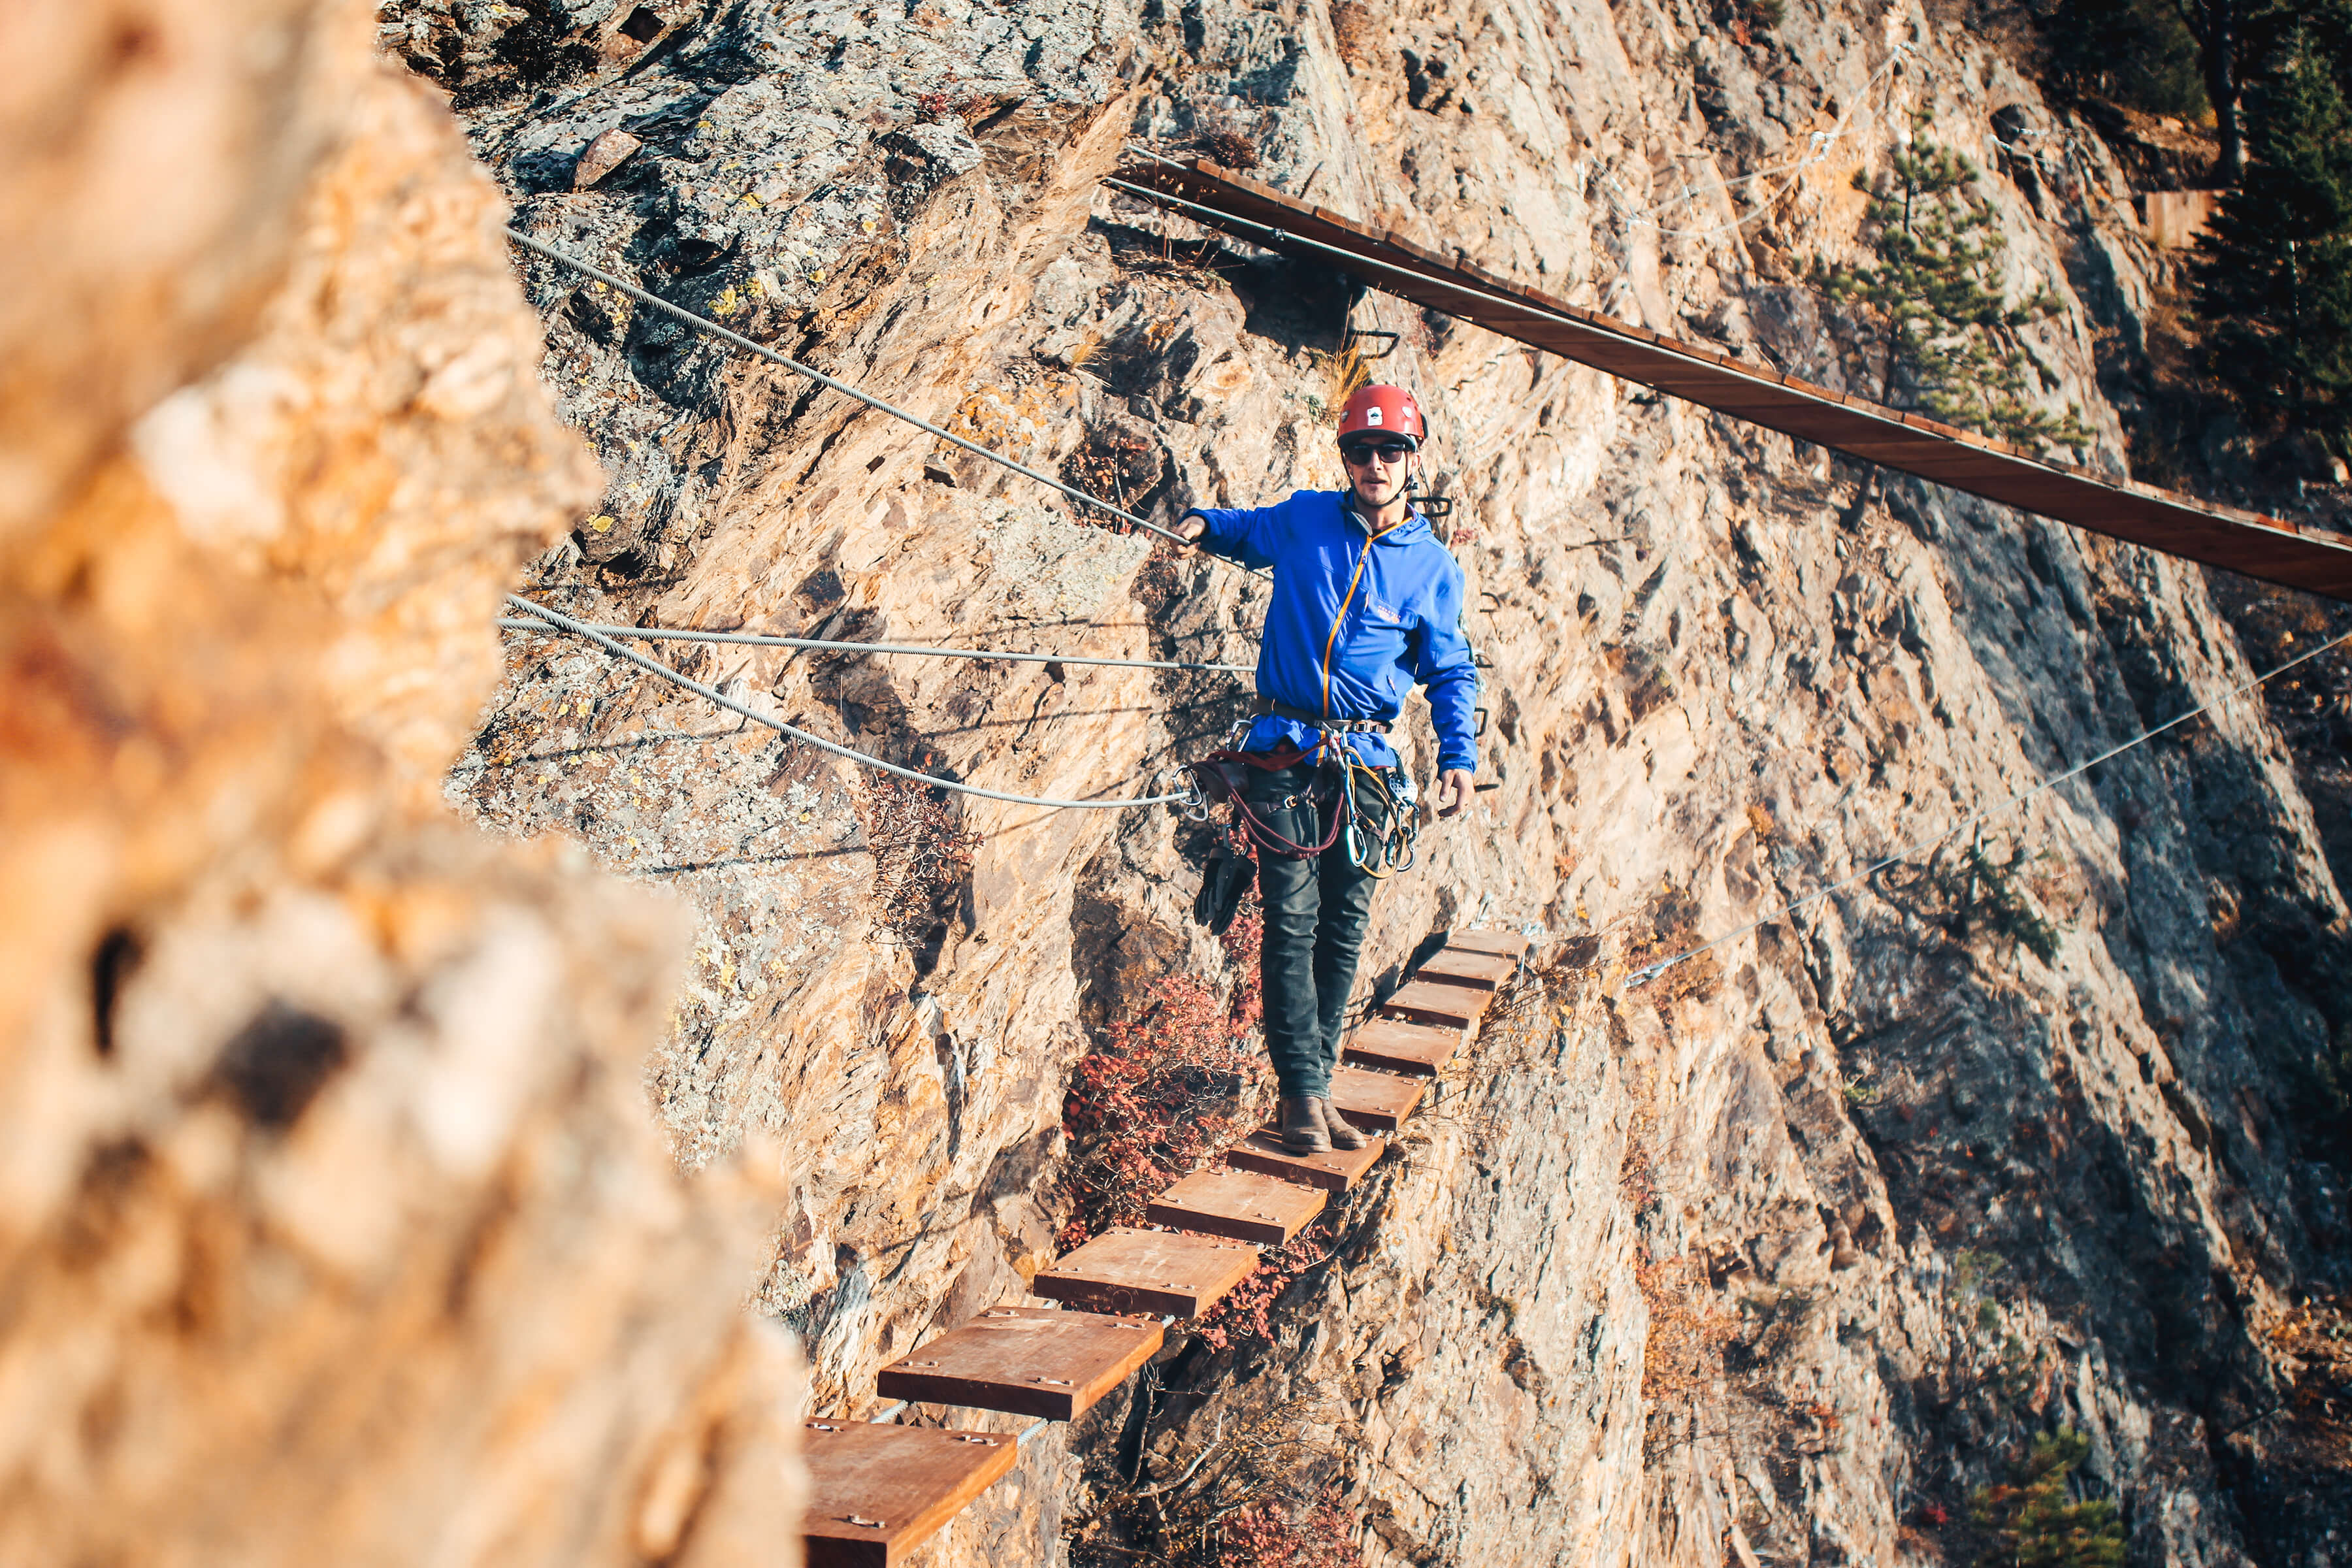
x=1402, y=855
x=1191, y=801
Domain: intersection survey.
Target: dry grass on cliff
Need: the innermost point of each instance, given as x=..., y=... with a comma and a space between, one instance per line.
x=2317, y=1337
x=922, y=853
x=1356, y=31
x=1684, y=1351
x=1262, y=1492
x=1669, y=929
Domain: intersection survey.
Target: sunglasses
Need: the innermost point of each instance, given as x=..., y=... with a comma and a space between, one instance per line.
x=1361, y=453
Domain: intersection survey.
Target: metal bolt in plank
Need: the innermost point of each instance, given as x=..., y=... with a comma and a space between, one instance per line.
x=877, y=1492
x=1334, y=1170
x=1400, y=1047
x=1243, y=1206
x=1376, y=1101
x=1162, y=1271
x=1024, y=1361
x=1430, y=1002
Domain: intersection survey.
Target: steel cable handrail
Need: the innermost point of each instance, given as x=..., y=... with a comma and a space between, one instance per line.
x=1644, y=975
x=709, y=694
x=765, y=639
x=704, y=323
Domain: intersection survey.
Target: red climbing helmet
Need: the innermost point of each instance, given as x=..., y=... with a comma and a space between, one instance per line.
x=1389, y=410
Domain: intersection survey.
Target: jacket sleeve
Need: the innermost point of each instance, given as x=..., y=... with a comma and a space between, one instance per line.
x=1248, y=535
x=1444, y=667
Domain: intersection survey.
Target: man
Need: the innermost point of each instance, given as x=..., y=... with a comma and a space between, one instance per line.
x=1366, y=603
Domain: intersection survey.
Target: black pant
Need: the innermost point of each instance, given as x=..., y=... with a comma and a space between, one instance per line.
x=1315, y=913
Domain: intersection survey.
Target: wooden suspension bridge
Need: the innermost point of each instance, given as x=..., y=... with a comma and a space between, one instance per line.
x=2273, y=549
x=880, y=1489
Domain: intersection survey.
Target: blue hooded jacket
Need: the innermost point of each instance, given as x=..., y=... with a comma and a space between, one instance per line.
x=1354, y=622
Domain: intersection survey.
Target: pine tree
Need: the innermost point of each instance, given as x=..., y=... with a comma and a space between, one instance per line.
x=2136, y=52
x=2034, y=1525
x=2274, y=272
x=1934, y=289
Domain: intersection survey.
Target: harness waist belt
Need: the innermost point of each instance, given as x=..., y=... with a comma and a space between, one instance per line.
x=1268, y=705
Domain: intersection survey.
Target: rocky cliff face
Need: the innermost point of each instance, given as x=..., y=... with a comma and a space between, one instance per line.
x=1781, y=1257
x=332, y=1225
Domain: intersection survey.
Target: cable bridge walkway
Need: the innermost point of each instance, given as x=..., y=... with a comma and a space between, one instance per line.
x=2273, y=549
x=880, y=1487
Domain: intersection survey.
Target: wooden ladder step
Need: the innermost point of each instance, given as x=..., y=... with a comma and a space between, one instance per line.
x=1510, y=944
x=1375, y=1101
x=876, y=1493
x=1433, y=1002
x=1240, y=1204
x=1334, y=1172
x=1024, y=1361
x=1159, y=1272
x=1402, y=1047
x=1467, y=966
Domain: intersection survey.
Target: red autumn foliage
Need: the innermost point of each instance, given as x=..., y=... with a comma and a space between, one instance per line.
x=1163, y=1095
x=1262, y=1535
x=1166, y=1091
x=1242, y=1315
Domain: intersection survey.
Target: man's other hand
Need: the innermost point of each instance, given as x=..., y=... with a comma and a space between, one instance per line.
x=1453, y=791
x=1190, y=527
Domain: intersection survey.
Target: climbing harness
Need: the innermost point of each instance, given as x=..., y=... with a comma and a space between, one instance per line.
x=1263, y=706
x=1221, y=779
x=1644, y=977
x=1379, y=840
x=561, y=622
x=705, y=324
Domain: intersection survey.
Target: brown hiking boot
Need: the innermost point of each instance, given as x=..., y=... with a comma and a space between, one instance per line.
x=1339, y=1128
x=1302, y=1126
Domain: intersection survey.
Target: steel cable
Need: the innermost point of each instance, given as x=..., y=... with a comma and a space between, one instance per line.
x=1644, y=977
x=678, y=678
x=705, y=324
x=763, y=639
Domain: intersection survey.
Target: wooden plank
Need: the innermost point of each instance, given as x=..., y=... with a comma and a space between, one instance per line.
x=1157, y=1271
x=1402, y=1047
x=1024, y=1361
x=1433, y=1002
x=2218, y=535
x=876, y=1493
x=1510, y=943
x=1462, y=967
x=1241, y=1205
x=1375, y=1101
x=1333, y=1172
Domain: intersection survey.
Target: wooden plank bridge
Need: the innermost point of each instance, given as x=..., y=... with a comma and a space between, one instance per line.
x=2273, y=549
x=878, y=1491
